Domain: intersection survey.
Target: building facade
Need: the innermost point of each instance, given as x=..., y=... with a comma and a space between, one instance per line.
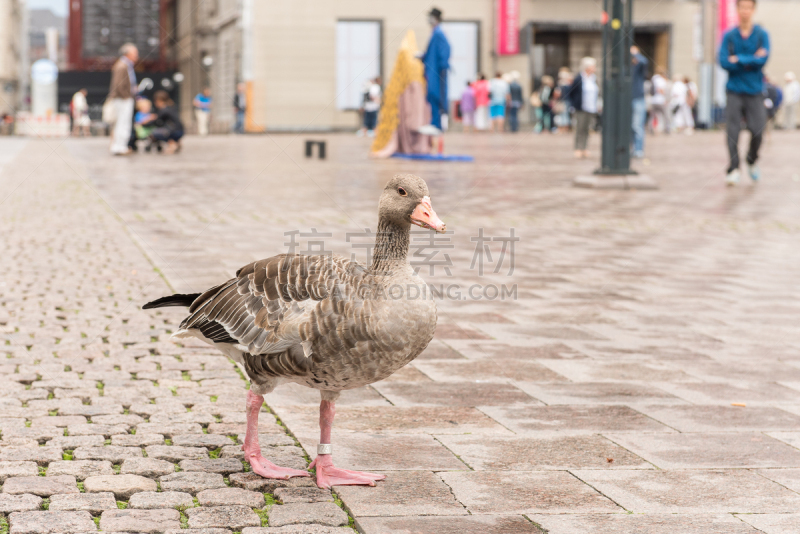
x=305, y=61
x=11, y=55
x=207, y=46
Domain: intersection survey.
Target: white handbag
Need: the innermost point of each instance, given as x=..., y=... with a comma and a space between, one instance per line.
x=109, y=112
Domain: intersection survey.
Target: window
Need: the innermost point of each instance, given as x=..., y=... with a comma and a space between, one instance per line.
x=463, y=38
x=358, y=59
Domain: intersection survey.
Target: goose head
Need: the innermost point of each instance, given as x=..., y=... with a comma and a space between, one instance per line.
x=405, y=201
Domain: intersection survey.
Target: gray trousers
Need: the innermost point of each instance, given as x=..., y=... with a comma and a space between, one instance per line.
x=583, y=122
x=749, y=108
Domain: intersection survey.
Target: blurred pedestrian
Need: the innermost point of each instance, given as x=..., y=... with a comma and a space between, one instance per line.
x=639, y=111
x=371, y=106
x=498, y=96
x=167, y=123
x=546, y=100
x=481, y=89
x=791, y=98
x=561, y=109
x=691, y=97
x=773, y=99
x=239, y=106
x=436, y=60
x=680, y=106
x=122, y=91
x=743, y=52
x=467, y=107
x=202, y=110
x=514, y=101
x=141, y=121
x=583, y=95
x=80, y=113
x=659, y=113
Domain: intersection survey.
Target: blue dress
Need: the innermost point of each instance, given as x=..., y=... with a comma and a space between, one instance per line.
x=437, y=63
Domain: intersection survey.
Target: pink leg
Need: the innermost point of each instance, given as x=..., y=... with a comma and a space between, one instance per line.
x=327, y=474
x=252, y=450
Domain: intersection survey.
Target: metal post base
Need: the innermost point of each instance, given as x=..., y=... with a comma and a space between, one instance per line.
x=615, y=181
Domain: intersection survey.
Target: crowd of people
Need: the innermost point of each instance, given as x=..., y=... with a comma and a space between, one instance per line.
x=134, y=117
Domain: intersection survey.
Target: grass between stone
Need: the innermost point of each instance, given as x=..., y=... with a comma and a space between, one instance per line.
x=3, y=525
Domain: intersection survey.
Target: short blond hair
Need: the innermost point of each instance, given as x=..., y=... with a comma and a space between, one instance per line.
x=588, y=62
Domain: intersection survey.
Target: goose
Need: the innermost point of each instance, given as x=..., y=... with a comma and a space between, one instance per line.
x=324, y=322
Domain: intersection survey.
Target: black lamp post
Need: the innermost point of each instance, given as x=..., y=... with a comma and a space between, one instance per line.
x=615, y=164
x=617, y=73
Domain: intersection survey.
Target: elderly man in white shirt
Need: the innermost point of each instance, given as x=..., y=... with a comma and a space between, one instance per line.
x=583, y=96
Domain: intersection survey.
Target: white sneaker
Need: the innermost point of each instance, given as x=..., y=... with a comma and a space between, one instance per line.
x=755, y=172
x=732, y=178
x=430, y=129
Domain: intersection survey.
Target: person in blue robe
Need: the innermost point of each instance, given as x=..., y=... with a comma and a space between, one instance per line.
x=437, y=62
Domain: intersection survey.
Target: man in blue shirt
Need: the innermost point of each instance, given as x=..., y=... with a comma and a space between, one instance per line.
x=437, y=62
x=743, y=53
x=639, y=116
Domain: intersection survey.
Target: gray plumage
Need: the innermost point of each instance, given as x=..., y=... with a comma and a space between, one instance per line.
x=323, y=321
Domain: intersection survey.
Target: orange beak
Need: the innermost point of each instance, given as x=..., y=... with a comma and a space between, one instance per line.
x=425, y=217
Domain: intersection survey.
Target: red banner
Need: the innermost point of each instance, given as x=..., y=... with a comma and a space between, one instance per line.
x=507, y=27
x=727, y=17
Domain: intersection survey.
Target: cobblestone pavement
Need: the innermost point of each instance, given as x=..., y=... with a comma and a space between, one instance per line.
x=641, y=375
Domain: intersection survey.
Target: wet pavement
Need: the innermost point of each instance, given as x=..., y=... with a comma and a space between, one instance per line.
x=604, y=361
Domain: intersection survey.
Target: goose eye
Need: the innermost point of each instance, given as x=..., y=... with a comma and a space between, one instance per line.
x=402, y=192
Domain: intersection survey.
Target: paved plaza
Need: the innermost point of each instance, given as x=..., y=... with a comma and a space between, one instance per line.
x=605, y=362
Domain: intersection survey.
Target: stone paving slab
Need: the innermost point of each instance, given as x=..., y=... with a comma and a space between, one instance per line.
x=191, y=482
x=710, y=450
x=230, y=496
x=402, y=493
x=536, y=454
x=17, y=469
x=641, y=524
x=90, y=502
x=154, y=521
x=19, y=503
x=772, y=523
x=400, y=419
x=508, y=492
x=488, y=370
x=475, y=524
x=234, y=517
x=123, y=486
x=692, y=491
x=749, y=392
x=38, y=522
x=630, y=393
x=41, y=486
x=464, y=394
x=785, y=477
x=573, y=419
x=161, y=499
x=80, y=469
x=321, y=513
x=723, y=418
x=292, y=529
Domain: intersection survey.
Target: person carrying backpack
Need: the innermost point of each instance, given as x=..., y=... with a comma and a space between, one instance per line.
x=743, y=53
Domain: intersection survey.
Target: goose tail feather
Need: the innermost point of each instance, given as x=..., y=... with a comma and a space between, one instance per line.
x=177, y=299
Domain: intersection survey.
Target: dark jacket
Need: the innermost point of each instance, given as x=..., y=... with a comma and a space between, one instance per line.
x=638, y=73
x=574, y=93
x=167, y=117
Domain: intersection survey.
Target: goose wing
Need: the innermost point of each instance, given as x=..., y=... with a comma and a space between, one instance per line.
x=277, y=303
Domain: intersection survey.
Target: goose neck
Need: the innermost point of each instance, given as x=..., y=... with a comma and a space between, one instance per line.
x=391, y=246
